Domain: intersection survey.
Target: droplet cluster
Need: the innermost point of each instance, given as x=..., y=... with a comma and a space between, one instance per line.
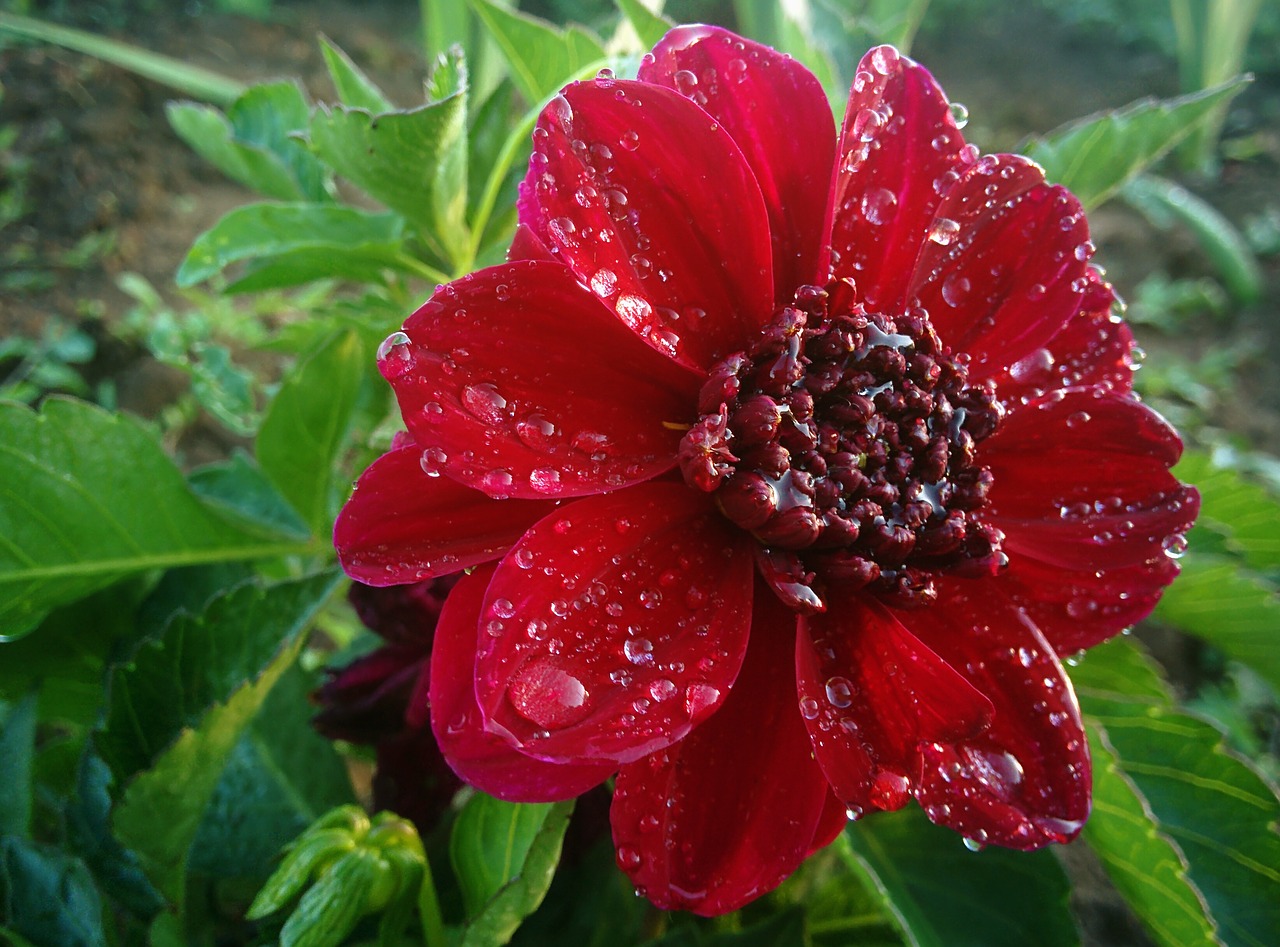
x=845, y=442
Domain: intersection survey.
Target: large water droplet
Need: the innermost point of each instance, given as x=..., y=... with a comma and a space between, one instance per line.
x=960, y=114
x=1175, y=546
x=604, y=282
x=944, y=231
x=547, y=694
x=955, y=289
x=839, y=692
x=879, y=204
x=639, y=651
x=484, y=403
x=544, y=479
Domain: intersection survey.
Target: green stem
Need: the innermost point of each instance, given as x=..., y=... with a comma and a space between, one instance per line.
x=506, y=157
x=203, y=84
x=418, y=268
x=429, y=909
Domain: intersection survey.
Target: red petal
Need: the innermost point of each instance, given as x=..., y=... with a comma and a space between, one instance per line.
x=899, y=151
x=1025, y=780
x=1004, y=267
x=776, y=111
x=655, y=208
x=403, y=526
x=835, y=816
x=526, y=246
x=1079, y=609
x=486, y=761
x=727, y=813
x=615, y=625
x=518, y=383
x=870, y=694
x=1093, y=350
x=1081, y=481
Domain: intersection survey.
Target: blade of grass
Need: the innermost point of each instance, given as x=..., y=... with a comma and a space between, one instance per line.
x=199, y=83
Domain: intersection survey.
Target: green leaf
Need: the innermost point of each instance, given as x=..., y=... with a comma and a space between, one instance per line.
x=256, y=141
x=306, y=425
x=243, y=493
x=17, y=749
x=1222, y=243
x=1231, y=608
x=1212, y=808
x=223, y=388
x=179, y=710
x=1244, y=513
x=412, y=161
x=281, y=777
x=542, y=56
x=942, y=895
x=256, y=231
x=785, y=929
x=355, y=89
x=1095, y=156
x=88, y=498
x=649, y=26
x=504, y=855
x=48, y=897
x=329, y=910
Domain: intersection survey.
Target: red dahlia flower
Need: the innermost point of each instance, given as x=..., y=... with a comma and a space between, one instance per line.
x=786, y=464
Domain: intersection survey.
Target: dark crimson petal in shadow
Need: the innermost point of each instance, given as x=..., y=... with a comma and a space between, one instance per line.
x=486, y=761
x=727, y=813
x=870, y=694
x=1004, y=267
x=899, y=152
x=1078, y=609
x=775, y=110
x=1093, y=350
x=654, y=207
x=1081, y=481
x=402, y=526
x=615, y=625
x=1024, y=781
x=517, y=382
x=835, y=816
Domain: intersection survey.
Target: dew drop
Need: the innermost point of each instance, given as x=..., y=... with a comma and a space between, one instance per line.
x=959, y=114
x=955, y=289
x=544, y=479
x=879, y=204
x=535, y=431
x=1175, y=546
x=808, y=708
x=650, y=598
x=1077, y=420
x=497, y=483
x=524, y=557
x=634, y=310
x=944, y=231
x=737, y=70
x=484, y=402
x=639, y=651
x=547, y=694
x=973, y=845
x=839, y=692
x=395, y=347
x=662, y=689
x=630, y=139
x=629, y=859
x=699, y=697
x=685, y=81
x=432, y=461
x=604, y=282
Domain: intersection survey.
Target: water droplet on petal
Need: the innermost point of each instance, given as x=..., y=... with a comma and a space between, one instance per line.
x=484, y=403
x=639, y=651
x=1175, y=546
x=629, y=859
x=629, y=140
x=432, y=461
x=960, y=114
x=662, y=689
x=544, y=479
x=808, y=708
x=698, y=697
x=547, y=694
x=955, y=289
x=879, y=205
x=973, y=845
x=604, y=282
x=839, y=692
x=944, y=231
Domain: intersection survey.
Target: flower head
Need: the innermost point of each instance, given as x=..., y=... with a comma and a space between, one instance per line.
x=786, y=462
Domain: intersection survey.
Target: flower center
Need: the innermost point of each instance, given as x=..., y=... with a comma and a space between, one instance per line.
x=844, y=441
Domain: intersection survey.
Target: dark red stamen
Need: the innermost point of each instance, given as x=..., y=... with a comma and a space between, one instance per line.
x=844, y=441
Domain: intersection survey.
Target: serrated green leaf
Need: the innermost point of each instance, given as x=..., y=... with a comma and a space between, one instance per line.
x=542, y=57
x=306, y=425
x=1244, y=513
x=649, y=26
x=1212, y=807
x=1095, y=156
x=88, y=498
x=943, y=895
x=1231, y=608
x=1225, y=247
x=504, y=855
x=179, y=710
x=281, y=777
x=256, y=231
x=17, y=750
x=47, y=896
x=355, y=89
x=412, y=161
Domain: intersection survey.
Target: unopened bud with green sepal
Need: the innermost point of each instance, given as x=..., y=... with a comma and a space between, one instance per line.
x=344, y=867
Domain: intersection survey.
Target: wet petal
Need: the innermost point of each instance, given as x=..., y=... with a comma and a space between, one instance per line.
x=1081, y=482
x=517, y=382
x=1004, y=267
x=1093, y=350
x=900, y=150
x=835, y=816
x=870, y=694
x=776, y=111
x=731, y=810
x=1077, y=609
x=654, y=207
x=615, y=625
x=402, y=525
x=486, y=761
x=1024, y=781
